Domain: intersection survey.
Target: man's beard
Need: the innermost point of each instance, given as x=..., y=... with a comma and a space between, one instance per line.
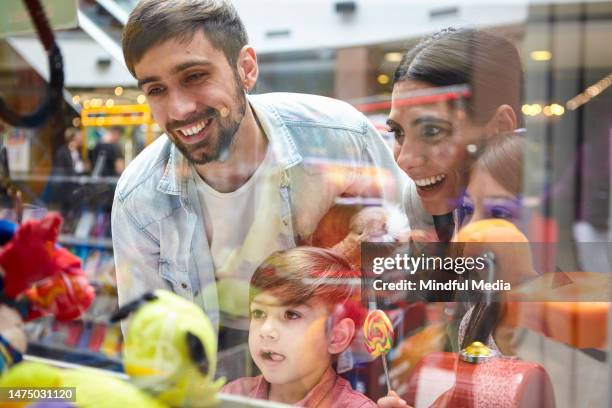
x=215, y=147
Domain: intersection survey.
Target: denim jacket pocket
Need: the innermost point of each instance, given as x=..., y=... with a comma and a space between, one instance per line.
x=176, y=278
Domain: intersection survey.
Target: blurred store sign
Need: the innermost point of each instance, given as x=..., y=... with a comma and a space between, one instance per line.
x=14, y=17
x=122, y=115
x=18, y=149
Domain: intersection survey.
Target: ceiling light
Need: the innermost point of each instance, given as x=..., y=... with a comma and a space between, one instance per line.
x=393, y=56
x=531, y=110
x=541, y=55
x=557, y=109
x=591, y=92
x=526, y=109
x=383, y=79
x=536, y=109
x=547, y=111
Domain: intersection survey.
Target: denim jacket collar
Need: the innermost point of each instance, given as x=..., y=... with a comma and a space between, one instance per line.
x=175, y=178
x=283, y=145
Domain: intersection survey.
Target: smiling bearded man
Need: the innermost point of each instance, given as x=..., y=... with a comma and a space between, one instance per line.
x=236, y=176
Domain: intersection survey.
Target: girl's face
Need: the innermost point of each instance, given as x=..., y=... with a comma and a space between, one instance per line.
x=486, y=198
x=431, y=146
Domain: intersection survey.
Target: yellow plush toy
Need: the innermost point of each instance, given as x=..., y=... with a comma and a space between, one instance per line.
x=171, y=349
x=92, y=388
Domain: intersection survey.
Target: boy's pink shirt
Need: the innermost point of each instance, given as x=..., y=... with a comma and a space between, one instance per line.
x=331, y=391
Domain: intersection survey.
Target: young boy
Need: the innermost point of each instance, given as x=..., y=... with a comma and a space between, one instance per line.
x=305, y=309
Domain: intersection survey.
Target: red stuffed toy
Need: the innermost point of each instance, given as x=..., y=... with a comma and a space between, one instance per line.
x=47, y=275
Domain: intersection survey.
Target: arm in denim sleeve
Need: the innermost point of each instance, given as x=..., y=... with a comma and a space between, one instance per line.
x=136, y=254
x=397, y=187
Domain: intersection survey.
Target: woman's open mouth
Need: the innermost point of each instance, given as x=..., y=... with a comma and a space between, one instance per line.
x=430, y=183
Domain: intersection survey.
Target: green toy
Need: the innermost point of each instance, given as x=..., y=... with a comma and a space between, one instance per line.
x=93, y=389
x=171, y=349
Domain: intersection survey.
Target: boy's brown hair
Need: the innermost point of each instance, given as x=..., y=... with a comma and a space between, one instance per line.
x=300, y=274
x=153, y=22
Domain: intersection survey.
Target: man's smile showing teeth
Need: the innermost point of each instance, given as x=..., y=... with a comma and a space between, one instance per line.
x=429, y=182
x=194, y=129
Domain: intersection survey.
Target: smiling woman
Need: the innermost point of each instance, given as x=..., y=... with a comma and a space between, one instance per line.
x=435, y=139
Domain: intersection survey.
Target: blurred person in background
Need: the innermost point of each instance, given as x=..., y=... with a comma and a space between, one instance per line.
x=494, y=192
x=106, y=157
x=68, y=163
x=69, y=158
x=433, y=138
x=108, y=162
x=496, y=182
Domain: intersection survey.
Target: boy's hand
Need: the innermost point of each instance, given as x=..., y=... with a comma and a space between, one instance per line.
x=11, y=328
x=392, y=400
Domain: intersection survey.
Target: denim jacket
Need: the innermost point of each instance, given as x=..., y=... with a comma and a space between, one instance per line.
x=159, y=239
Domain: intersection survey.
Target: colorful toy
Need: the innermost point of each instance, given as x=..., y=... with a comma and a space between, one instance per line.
x=37, y=277
x=29, y=256
x=41, y=278
x=378, y=333
x=64, y=296
x=171, y=349
x=93, y=388
x=443, y=379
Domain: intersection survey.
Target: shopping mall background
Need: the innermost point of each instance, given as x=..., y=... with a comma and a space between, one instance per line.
x=349, y=50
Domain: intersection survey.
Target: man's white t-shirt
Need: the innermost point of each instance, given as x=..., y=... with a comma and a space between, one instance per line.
x=243, y=229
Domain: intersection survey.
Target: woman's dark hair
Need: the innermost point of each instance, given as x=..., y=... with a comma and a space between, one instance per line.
x=488, y=63
x=483, y=322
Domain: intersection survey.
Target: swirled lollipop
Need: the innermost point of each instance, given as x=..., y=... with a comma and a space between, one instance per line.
x=378, y=333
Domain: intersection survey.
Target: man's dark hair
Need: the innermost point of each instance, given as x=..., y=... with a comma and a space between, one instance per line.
x=153, y=22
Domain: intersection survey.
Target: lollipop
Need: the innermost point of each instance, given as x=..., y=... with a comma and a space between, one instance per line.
x=378, y=333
